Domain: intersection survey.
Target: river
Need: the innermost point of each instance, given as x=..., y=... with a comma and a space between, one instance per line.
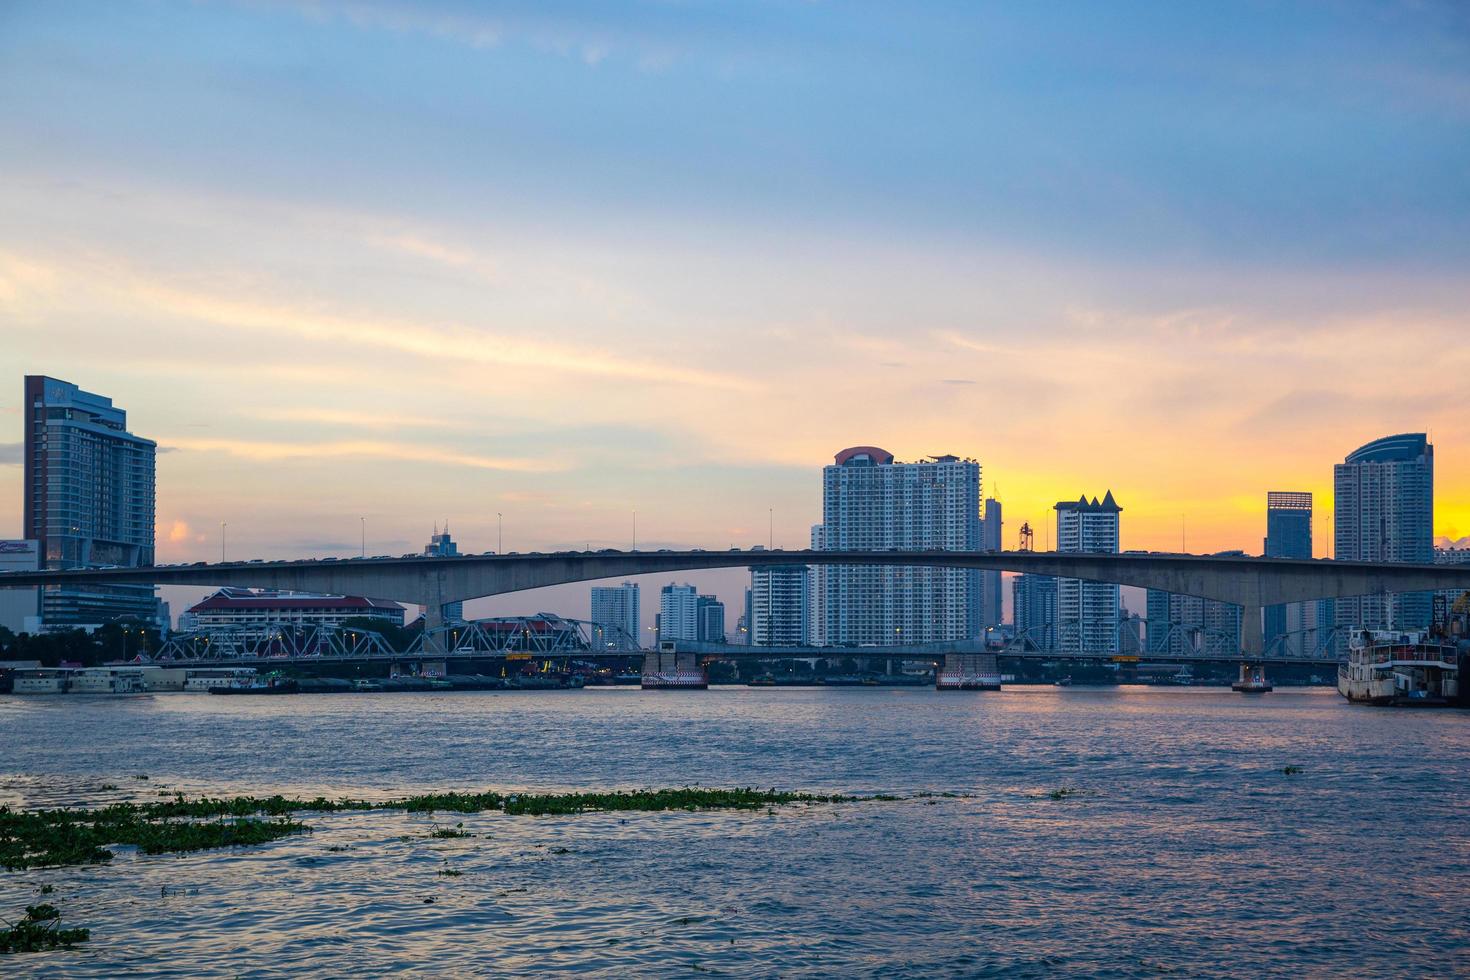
x=1187, y=850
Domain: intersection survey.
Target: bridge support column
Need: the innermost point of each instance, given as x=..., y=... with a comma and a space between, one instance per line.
x=1252, y=641
x=665, y=668
x=968, y=672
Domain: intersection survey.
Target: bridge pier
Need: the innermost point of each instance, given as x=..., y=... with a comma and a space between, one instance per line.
x=968, y=672
x=666, y=669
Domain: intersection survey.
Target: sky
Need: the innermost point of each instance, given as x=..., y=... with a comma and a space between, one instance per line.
x=565, y=261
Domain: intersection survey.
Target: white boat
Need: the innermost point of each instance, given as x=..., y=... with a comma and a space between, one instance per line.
x=107, y=680
x=41, y=680
x=1393, y=667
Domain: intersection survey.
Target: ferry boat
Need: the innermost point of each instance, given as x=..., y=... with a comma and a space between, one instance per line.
x=1404, y=669
x=41, y=680
x=107, y=680
x=968, y=672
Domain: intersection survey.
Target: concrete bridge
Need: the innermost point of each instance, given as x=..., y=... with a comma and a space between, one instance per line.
x=1252, y=583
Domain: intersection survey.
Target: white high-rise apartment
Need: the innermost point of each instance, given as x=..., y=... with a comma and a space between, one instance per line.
x=1087, y=612
x=778, y=606
x=615, y=612
x=872, y=503
x=678, y=613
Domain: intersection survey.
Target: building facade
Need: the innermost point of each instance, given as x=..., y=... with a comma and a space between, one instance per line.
x=1289, y=628
x=816, y=605
x=441, y=545
x=1088, y=612
x=616, y=612
x=991, y=596
x=258, y=609
x=1384, y=511
x=89, y=500
x=1186, y=625
x=678, y=612
x=20, y=609
x=870, y=502
x=1034, y=611
x=778, y=606
x=711, y=620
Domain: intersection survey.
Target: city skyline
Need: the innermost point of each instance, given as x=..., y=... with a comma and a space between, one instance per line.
x=442, y=327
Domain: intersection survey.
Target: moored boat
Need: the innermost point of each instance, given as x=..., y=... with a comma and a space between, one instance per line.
x=1400, y=668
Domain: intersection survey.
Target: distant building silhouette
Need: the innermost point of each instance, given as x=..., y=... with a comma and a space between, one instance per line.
x=991, y=597
x=778, y=606
x=1034, y=610
x=1289, y=535
x=441, y=545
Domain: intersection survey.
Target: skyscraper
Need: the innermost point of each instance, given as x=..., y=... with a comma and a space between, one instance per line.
x=1087, y=612
x=1288, y=535
x=870, y=502
x=441, y=545
x=1034, y=611
x=1385, y=512
x=615, y=612
x=816, y=611
x=778, y=605
x=992, y=599
x=89, y=500
x=1186, y=625
x=678, y=612
x=711, y=620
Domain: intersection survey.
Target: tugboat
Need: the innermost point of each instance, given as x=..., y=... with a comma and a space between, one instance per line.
x=1402, y=669
x=1252, y=680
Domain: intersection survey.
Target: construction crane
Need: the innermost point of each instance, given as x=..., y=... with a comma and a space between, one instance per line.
x=1028, y=537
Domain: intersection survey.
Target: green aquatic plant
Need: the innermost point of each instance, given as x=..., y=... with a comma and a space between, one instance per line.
x=38, y=930
x=1063, y=793
x=1291, y=770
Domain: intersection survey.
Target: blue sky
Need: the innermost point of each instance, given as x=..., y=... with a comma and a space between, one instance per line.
x=568, y=260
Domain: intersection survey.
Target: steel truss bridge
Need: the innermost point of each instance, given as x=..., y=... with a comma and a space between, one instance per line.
x=543, y=635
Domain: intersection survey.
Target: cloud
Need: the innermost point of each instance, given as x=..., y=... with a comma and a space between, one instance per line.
x=363, y=449
x=367, y=420
x=179, y=531
x=425, y=248
x=955, y=381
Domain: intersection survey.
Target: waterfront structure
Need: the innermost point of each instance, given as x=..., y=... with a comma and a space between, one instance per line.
x=1087, y=612
x=615, y=616
x=816, y=612
x=778, y=606
x=260, y=609
x=1289, y=535
x=991, y=596
x=871, y=502
x=441, y=545
x=1034, y=610
x=89, y=500
x=711, y=620
x=678, y=613
x=1384, y=511
x=20, y=609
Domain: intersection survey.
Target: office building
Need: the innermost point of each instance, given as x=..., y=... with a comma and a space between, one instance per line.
x=441, y=545
x=1384, y=511
x=615, y=616
x=1087, y=612
x=20, y=609
x=1288, y=628
x=778, y=606
x=1034, y=611
x=1186, y=625
x=870, y=502
x=991, y=596
x=262, y=609
x=89, y=500
x=711, y=620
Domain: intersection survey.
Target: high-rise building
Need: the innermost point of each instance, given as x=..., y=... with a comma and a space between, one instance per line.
x=678, y=612
x=1289, y=535
x=1186, y=625
x=991, y=598
x=1034, y=611
x=816, y=613
x=1384, y=511
x=872, y=503
x=778, y=606
x=711, y=620
x=615, y=612
x=89, y=500
x=441, y=545
x=20, y=609
x=1087, y=612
